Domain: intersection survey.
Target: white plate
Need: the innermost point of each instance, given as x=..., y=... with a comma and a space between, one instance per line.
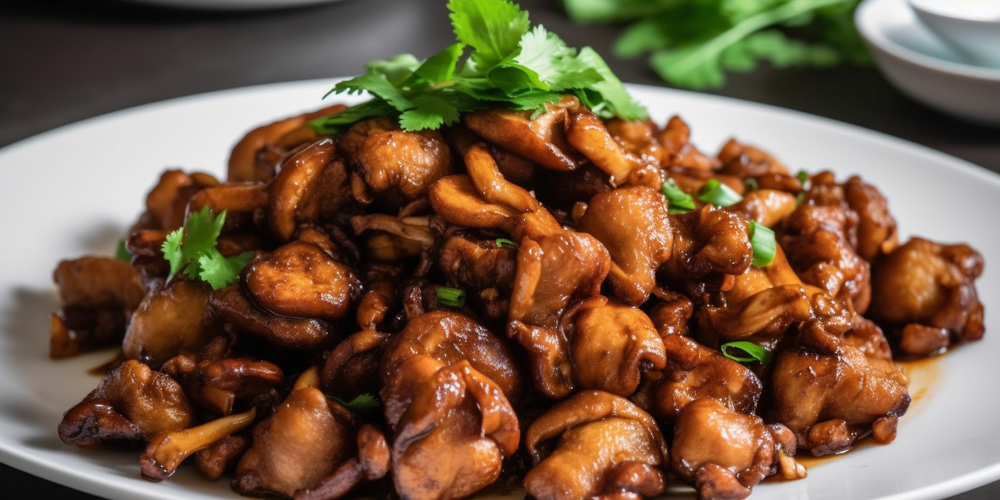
x=74, y=191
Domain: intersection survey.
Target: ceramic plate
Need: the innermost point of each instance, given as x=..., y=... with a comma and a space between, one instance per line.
x=233, y=5
x=75, y=190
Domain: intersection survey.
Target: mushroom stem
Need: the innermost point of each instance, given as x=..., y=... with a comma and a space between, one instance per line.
x=166, y=452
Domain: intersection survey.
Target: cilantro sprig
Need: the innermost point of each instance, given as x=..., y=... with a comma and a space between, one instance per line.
x=191, y=250
x=692, y=43
x=510, y=64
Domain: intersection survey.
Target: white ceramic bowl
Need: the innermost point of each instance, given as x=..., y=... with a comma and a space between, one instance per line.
x=924, y=67
x=971, y=26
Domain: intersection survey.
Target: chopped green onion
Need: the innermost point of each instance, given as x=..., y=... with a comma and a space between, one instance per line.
x=504, y=241
x=802, y=176
x=677, y=200
x=122, y=252
x=452, y=297
x=754, y=351
x=751, y=184
x=717, y=193
x=800, y=198
x=762, y=242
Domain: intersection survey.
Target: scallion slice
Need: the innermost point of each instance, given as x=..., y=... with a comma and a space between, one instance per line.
x=677, y=200
x=451, y=297
x=122, y=252
x=763, y=244
x=754, y=352
x=751, y=184
x=717, y=193
x=504, y=241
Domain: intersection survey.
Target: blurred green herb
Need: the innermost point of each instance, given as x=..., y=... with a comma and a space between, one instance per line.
x=693, y=43
x=510, y=64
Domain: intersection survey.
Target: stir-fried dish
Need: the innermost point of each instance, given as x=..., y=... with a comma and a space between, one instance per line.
x=554, y=296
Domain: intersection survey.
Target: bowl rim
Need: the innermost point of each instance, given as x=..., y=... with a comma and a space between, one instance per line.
x=920, y=7
x=869, y=28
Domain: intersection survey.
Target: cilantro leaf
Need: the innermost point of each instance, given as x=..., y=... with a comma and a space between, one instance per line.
x=365, y=405
x=510, y=65
x=191, y=250
x=221, y=271
x=493, y=28
x=693, y=43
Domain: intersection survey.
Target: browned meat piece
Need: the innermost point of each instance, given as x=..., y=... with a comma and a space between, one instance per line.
x=372, y=463
x=98, y=295
x=553, y=274
x=394, y=167
x=694, y=371
x=131, y=404
x=352, y=368
x=707, y=241
x=453, y=430
x=607, y=448
x=481, y=267
x=724, y=453
x=165, y=452
x=876, y=226
x=298, y=279
x=167, y=201
x=256, y=156
x=221, y=456
x=927, y=291
x=638, y=138
x=232, y=307
x=830, y=400
x=744, y=160
x=768, y=207
x=819, y=242
x=299, y=176
x=764, y=302
x=542, y=140
x=634, y=226
x=587, y=134
x=450, y=337
x=676, y=140
x=99, y=282
x=391, y=239
x=380, y=283
x=456, y=199
x=171, y=320
x=302, y=442
x=611, y=345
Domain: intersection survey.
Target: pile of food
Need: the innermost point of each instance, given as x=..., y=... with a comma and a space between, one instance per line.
x=499, y=275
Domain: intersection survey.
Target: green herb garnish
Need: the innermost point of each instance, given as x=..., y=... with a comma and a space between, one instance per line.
x=365, y=405
x=692, y=43
x=451, y=297
x=510, y=64
x=192, y=250
x=122, y=253
x=501, y=242
x=763, y=244
x=754, y=352
x=717, y=193
x=677, y=200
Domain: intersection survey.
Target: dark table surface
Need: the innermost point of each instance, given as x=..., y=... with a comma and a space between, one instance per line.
x=64, y=61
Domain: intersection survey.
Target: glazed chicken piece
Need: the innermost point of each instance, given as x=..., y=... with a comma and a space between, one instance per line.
x=682, y=153
x=173, y=319
x=633, y=224
x=256, y=156
x=234, y=308
x=453, y=428
x=352, y=368
x=744, y=160
x=130, y=405
x=708, y=242
x=611, y=345
x=302, y=442
x=820, y=245
x=392, y=167
x=542, y=140
x=296, y=194
x=483, y=268
x=694, y=371
x=607, y=448
x=446, y=386
x=98, y=296
x=724, y=453
x=300, y=280
x=926, y=292
x=832, y=399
